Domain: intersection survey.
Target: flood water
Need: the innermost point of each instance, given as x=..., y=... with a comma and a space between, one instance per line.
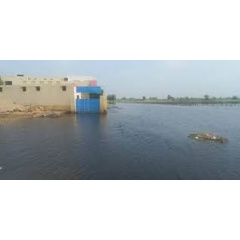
x=133, y=141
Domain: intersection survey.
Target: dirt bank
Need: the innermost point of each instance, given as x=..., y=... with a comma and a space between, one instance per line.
x=10, y=109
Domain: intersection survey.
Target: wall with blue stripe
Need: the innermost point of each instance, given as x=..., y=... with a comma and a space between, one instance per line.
x=91, y=105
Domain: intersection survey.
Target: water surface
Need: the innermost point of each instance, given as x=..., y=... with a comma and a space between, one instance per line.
x=133, y=141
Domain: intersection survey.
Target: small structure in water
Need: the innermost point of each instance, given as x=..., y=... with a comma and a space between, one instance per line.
x=208, y=137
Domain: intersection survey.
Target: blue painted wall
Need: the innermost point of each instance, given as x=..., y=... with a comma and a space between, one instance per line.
x=87, y=105
x=97, y=90
x=91, y=105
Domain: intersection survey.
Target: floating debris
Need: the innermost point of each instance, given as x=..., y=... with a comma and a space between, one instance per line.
x=207, y=137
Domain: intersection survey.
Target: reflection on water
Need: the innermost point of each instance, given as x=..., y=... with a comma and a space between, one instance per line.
x=133, y=141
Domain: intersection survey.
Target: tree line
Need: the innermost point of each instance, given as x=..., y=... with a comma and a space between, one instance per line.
x=171, y=98
x=112, y=98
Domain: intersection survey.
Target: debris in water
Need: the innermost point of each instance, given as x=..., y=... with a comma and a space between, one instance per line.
x=208, y=137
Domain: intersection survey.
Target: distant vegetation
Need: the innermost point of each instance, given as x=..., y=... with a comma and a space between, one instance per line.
x=112, y=98
x=206, y=99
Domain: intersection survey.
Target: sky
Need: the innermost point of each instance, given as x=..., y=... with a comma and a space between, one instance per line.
x=138, y=78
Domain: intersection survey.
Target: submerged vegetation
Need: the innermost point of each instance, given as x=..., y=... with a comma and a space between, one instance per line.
x=208, y=137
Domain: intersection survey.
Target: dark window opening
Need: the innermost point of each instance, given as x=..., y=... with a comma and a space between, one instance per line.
x=1, y=89
x=94, y=96
x=77, y=96
x=24, y=89
x=8, y=83
x=65, y=79
x=20, y=75
x=64, y=88
x=38, y=89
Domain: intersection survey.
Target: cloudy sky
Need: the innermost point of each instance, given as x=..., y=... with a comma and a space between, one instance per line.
x=143, y=78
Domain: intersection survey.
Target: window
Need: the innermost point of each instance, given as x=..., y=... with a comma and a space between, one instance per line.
x=24, y=89
x=64, y=88
x=38, y=89
x=1, y=89
x=94, y=96
x=65, y=79
x=8, y=83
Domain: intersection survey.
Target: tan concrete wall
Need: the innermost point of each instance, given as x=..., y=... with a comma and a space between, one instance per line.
x=50, y=96
x=38, y=81
x=33, y=80
x=103, y=104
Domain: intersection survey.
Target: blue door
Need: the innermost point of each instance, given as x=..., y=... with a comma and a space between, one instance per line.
x=87, y=105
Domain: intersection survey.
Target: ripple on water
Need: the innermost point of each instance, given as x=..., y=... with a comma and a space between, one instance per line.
x=134, y=142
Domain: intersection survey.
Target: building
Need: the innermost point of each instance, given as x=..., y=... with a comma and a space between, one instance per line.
x=73, y=94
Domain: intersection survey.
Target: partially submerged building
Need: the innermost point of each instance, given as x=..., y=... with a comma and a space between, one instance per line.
x=73, y=94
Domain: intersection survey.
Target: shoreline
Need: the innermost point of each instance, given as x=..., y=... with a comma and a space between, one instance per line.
x=8, y=118
x=19, y=111
x=182, y=103
x=30, y=115
x=33, y=114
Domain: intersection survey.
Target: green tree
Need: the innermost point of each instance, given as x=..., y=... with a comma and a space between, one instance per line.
x=112, y=98
x=234, y=98
x=206, y=97
x=169, y=97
